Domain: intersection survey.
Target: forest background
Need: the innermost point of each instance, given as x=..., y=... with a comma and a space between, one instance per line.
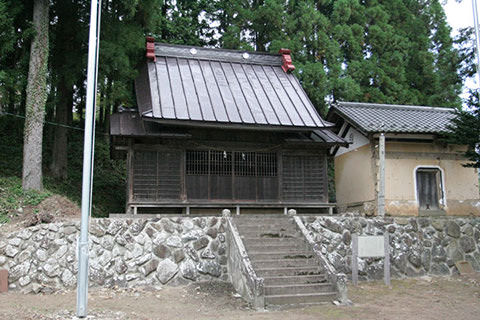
x=391, y=51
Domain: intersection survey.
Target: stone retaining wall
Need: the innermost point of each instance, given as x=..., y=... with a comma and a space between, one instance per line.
x=419, y=246
x=123, y=252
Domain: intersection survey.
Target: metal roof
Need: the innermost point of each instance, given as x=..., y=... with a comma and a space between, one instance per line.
x=372, y=117
x=199, y=86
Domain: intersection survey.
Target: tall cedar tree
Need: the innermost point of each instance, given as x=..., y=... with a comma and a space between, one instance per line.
x=391, y=51
x=465, y=130
x=68, y=48
x=15, y=35
x=36, y=97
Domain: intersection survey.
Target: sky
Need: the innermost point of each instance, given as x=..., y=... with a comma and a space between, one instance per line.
x=460, y=15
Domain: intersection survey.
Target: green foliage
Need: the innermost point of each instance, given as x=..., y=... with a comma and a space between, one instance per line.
x=109, y=175
x=390, y=51
x=13, y=197
x=465, y=130
x=15, y=35
x=466, y=41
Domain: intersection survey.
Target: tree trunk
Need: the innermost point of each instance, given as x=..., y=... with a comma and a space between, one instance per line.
x=35, y=100
x=81, y=104
x=58, y=167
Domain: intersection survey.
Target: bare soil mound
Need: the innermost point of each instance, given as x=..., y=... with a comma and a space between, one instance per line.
x=53, y=209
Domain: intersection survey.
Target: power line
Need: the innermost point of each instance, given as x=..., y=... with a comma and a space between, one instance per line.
x=50, y=122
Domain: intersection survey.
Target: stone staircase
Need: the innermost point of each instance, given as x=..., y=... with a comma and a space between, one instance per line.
x=280, y=256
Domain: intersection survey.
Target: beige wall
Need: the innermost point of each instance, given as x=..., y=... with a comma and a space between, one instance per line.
x=460, y=183
x=354, y=178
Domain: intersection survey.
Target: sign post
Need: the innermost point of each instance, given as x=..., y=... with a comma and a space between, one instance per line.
x=371, y=247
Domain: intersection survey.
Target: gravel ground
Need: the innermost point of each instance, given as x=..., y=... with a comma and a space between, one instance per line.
x=422, y=298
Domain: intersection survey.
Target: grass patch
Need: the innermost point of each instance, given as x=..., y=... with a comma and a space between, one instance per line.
x=13, y=197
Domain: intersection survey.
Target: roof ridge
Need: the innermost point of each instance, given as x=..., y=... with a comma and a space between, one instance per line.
x=186, y=46
x=393, y=106
x=217, y=54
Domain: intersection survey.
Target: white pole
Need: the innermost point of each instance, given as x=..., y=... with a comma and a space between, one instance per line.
x=477, y=37
x=88, y=147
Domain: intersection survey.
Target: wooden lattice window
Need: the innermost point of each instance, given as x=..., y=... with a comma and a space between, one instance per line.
x=304, y=177
x=197, y=162
x=245, y=164
x=156, y=175
x=221, y=163
x=248, y=164
x=267, y=164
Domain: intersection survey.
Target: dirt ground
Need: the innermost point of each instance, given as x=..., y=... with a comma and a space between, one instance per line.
x=423, y=298
x=53, y=209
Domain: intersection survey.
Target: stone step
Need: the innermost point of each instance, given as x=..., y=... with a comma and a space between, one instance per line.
x=285, y=280
x=260, y=215
x=262, y=218
x=273, y=241
x=296, y=254
x=288, y=271
x=281, y=247
x=261, y=264
x=266, y=227
x=309, y=298
x=271, y=234
x=298, y=288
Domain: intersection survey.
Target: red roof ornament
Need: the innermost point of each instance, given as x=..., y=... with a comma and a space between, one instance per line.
x=151, y=49
x=287, y=65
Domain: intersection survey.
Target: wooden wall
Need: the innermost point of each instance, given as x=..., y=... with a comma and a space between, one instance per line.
x=239, y=175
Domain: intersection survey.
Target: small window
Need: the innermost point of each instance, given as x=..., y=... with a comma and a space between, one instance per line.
x=429, y=188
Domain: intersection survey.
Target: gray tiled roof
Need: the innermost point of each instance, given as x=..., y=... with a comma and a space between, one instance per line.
x=198, y=86
x=370, y=117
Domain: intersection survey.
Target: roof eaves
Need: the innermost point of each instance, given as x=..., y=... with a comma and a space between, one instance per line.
x=228, y=125
x=353, y=123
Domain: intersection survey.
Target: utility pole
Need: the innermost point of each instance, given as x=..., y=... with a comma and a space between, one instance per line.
x=477, y=37
x=88, y=147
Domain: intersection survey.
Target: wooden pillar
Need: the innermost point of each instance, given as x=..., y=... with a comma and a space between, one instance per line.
x=381, y=176
x=130, y=175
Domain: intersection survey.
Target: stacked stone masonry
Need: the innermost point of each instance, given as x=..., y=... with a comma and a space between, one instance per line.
x=418, y=245
x=179, y=250
x=123, y=252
